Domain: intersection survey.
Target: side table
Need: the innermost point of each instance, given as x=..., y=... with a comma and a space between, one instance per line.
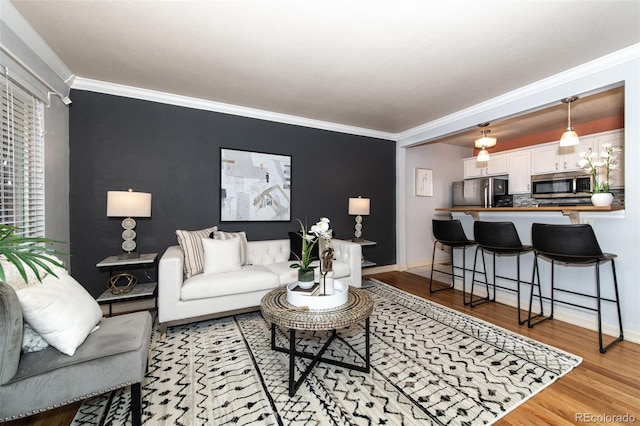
x=365, y=243
x=279, y=312
x=140, y=291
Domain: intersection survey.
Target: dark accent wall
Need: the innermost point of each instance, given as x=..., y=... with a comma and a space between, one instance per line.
x=173, y=152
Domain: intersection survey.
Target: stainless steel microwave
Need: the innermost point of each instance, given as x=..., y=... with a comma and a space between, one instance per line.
x=561, y=185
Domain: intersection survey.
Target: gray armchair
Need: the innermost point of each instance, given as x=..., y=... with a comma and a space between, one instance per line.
x=112, y=357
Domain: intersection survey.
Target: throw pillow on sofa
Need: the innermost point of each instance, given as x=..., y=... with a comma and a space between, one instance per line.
x=221, y=235
x=191, y=245
x=221, y=255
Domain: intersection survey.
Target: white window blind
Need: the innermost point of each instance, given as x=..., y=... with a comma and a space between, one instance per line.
x=21, y=159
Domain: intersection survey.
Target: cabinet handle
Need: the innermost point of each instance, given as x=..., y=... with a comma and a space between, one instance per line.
x=565, y=165
x=556, y=166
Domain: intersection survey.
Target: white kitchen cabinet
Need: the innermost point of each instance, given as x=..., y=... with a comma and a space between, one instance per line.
x=497, y=165
x=615, y=138
x=520, y=172
x=552, y=158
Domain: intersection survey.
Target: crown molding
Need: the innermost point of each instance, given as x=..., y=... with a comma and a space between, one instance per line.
x=16, y=22
x=89, y=85
x=478, y=113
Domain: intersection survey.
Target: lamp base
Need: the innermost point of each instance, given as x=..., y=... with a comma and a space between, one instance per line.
x=129, y=256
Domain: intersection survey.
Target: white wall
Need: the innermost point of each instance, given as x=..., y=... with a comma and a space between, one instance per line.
x=444, y=161
x=620, y=236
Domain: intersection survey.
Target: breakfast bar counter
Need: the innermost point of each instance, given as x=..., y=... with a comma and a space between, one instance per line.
x=573, y=212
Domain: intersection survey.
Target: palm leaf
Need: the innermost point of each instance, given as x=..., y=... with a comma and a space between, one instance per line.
x=29, y=251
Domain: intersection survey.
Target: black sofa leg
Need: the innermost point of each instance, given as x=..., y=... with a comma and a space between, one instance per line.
x=136, y=404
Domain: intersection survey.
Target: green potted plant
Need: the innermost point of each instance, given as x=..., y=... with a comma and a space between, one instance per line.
x=29, y=252
x=309, y=239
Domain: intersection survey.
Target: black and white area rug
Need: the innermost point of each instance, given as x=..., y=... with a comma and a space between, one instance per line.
x=429, y=365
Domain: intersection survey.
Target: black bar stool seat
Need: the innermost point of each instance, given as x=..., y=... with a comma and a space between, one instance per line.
x=571, y=245
x=450, y=233
x=496, y=238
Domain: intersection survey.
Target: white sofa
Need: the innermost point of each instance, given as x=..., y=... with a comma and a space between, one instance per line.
x=203, y=296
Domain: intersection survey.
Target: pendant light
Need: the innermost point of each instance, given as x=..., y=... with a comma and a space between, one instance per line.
x=483, y=143
x=569, y=137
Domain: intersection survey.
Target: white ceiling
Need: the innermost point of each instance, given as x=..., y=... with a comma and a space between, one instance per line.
x=387, y=66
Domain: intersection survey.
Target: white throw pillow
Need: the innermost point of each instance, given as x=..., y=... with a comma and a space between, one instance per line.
x=221, y=235
x=61, y=311
x=221, y=255
x=191, y=245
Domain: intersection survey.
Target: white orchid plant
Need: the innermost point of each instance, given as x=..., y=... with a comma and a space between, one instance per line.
x=600, y=166
x=319, y=231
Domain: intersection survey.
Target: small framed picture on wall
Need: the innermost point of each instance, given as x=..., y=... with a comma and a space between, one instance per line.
x=423, y=186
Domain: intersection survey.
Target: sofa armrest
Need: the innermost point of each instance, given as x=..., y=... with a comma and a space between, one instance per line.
x=350, y=253
x=170, y=279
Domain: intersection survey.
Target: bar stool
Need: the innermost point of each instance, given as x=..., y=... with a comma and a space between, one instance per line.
x=451, y=234
x=496, y=238
x=572, y=245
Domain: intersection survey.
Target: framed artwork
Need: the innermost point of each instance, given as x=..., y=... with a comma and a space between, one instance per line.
x=254, y=186
x=423, y=182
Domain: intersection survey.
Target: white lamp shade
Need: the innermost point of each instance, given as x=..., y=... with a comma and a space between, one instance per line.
x=128, y=204
x=485, y=142
x=483, y=155
x=569, y=138
x=359, y=206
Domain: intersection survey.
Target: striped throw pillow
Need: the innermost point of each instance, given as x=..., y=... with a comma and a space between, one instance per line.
x=191, y=245
x=220, y=235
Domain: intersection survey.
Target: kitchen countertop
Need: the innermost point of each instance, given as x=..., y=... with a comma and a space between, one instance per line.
x=532, y=209
x=573, y=212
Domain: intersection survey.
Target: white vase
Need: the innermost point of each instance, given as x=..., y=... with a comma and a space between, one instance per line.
x=602, y=199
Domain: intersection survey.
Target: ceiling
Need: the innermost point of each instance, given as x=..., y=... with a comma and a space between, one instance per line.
x=387, y=66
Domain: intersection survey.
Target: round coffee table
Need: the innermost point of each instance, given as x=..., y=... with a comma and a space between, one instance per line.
x=276, y=310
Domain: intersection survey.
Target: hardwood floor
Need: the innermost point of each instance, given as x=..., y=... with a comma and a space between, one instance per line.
x=603, y=385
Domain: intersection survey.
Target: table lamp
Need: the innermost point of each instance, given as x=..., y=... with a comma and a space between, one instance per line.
x=128, y=204
x=359, y=207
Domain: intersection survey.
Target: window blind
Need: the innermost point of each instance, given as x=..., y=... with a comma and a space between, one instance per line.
x=21, y=159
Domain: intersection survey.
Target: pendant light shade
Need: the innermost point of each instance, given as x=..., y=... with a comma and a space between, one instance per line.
x=569, y=137
x=483, y=143
x=483, y=155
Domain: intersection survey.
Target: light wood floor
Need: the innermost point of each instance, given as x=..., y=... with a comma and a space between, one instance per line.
x=603, y=385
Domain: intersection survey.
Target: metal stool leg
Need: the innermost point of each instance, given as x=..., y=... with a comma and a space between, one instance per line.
x=603, y=349
x=475, y=302
x=433, y=259
x=535, y=278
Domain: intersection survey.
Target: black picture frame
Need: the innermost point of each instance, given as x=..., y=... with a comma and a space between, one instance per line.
x=254, y=186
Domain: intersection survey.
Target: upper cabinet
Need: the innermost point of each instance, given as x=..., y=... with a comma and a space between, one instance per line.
x=552, y=158
x=497, y=165
x=615, y=138
x=520, y=172
x=520, y=164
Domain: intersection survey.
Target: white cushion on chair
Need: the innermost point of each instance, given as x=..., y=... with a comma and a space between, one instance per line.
x=61, y=311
